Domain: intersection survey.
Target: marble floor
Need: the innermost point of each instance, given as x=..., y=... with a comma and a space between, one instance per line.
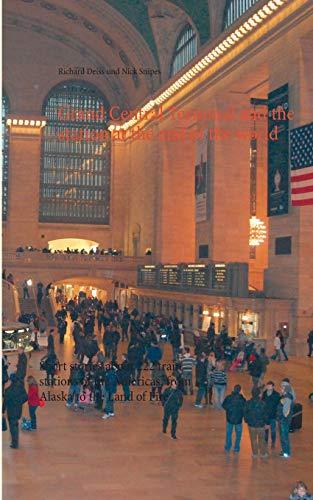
x=128, y=458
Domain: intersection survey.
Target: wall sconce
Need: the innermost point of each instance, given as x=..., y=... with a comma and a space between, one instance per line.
x=25, y=123
x=216, y=314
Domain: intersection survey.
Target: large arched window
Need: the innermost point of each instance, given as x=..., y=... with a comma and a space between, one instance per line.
x=75, y=160
x=5, y=156
x=235, y=9
x=185, y=50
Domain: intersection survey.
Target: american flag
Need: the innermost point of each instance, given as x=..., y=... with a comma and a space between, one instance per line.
x=301, y=160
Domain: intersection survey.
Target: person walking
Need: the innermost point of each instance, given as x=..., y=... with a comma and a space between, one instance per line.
x=234, y=405
x=14, y=398
x=33, y=400
x=201, y=380
x=310, y=343
x=284, y=416
x=172, y=400
x=255, y=417
x=283, y=345
x=25, y=290
x=277, y=346
x=219, y=379
x=271, y=399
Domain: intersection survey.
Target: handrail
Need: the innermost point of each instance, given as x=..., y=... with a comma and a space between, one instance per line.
x=27, y=256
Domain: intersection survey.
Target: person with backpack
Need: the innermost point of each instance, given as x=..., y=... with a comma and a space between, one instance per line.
x=172, y=400
x=234, y=405
x=14, y=398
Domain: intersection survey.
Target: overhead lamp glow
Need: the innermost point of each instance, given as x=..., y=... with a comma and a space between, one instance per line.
x=258, y=232
x=9, y=121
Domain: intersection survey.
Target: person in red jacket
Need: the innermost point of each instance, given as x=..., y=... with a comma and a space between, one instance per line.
x=33, y=400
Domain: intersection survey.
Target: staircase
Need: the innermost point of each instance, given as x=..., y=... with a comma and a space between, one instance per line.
x=46, y=306
x=28, y=306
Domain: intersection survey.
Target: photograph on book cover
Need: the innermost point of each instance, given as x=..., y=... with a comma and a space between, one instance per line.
x=157, y=249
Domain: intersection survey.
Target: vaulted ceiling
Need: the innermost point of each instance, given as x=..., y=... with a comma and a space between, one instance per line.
x=41, y=36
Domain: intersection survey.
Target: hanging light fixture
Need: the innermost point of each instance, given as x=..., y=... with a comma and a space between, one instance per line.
x=257, y=232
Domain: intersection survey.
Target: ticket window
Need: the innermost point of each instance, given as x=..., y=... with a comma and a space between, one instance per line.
x=249, y=323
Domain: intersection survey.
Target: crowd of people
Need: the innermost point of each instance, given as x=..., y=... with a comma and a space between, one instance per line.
x=99, y=369
x=83, y=251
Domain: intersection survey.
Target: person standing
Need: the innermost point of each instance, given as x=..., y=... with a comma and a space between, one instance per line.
x=62, y=326
x=300, y=492
x=172, y=400
x=14, y=398
x=124, y=376
x=39, y=293
x=234, y=405
x=264, y=361
x=21, y=367
x=271, y=399
x=255, y=417
x=187, y=364
x=284, y=416
x=210, y=369
x=33, y=400
x=310, y=343
x=219, y=379
x=201, y=380
x=51, y=340
x=255, y=369
x=110, y=382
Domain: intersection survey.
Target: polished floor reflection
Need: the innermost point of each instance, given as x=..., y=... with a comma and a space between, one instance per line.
x=127, y=457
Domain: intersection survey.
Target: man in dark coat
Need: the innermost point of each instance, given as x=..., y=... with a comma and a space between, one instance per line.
x=255, y=416
x=255, y=369
x=201, y=380
x=172, y=400
x=21, y=367
x=234, y=405
x=14, y=398
x=51, y=341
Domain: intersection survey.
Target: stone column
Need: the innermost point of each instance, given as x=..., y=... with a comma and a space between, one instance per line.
x=165, y=307
x=195, y=316
x=187, y=316
x=180, y=311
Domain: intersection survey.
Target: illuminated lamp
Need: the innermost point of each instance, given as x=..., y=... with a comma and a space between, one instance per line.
x=243, y=30
x=216, y=314
x=31, y=123
x=238, y=33
x=257, y=18
x=272, y=5
x=234, y=37
x=262, y=14
x=230, y=40
x=26, y=122
x=257, y=232
x=20, y=122
x=252, y=22
x=267, y=10
x=9, y=121
x=29, y=282
x=248, y=27
x=14, y=122
x=37, y=123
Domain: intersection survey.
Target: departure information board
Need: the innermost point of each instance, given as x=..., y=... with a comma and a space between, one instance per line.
x=195, y=275
x=219, y=277
x=214, y=278
x=169, y=275
x=147, y=276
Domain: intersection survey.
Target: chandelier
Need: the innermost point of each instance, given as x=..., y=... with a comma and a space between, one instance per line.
x=257, y=232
